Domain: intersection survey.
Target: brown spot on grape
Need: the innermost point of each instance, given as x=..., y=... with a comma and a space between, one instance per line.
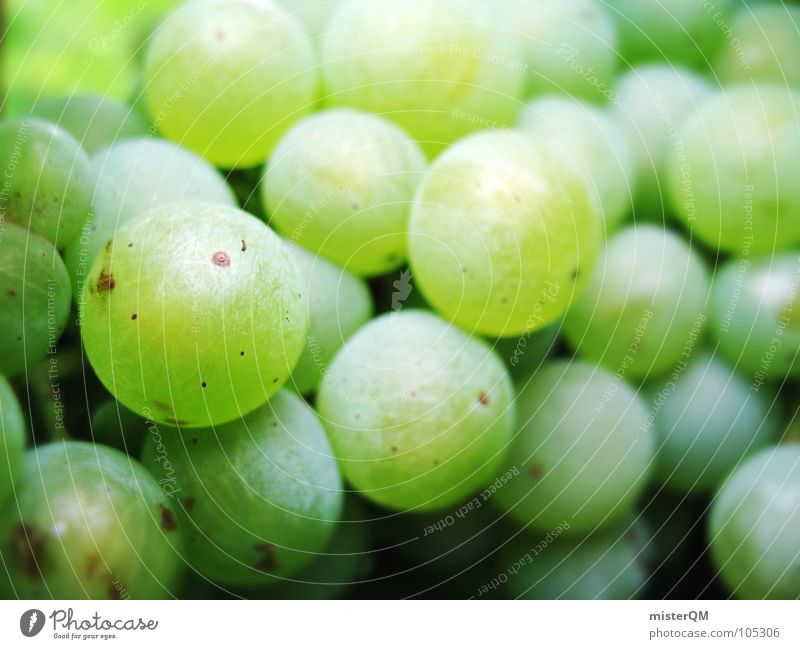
x=241, y=353
x=189, y=503
x=106, y=282
x=266, y=563
x=275, y=380
x=92, y=566
x=203, y=385
x=244, y=245
x=109, y=243
x=436, y=463
x=176, y=422
x=483, y=398
x=395, y=449
x=134, y=316
x=28, y=550
x=576, y=274
x=221, y=258
x=536, y=471
x=12, y=293
x=130, y=245
x=168, y=522
x=163, y=407
x=195, y=440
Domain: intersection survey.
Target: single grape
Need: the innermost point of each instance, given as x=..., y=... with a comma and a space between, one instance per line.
x=12, y=439
x=419, y=413
x=341, y=183
x=645, y=306
x=193, y=314
x=439, y=68
x=734, y=181
x=583, y=451
x=135, y=176
x=594, y=142
x=48, y=180
x=96, y=121
x=570, y=46
x=686, y=32
x=35, y=298
x=755, y=524
x=338, y=305
x=258, y=498
x=652, y=103
x=114, y=425
x=707, y=420
x=502, y=235
x=754, y=315
x=89, y=522
x=226, y=78
x=607, y=565
x=764, y=45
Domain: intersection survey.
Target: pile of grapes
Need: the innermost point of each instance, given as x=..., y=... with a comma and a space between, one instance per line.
x=431, y=298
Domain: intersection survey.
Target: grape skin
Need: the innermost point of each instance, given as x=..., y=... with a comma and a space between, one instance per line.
x=645, y=306
x=755, y=523
x=35, y=298
x=441, y=69
x=48, y=179
x=259, y=497
x=593, y=140
x=89, y=522
x=338, y=305
x=583, y=449
x=752, y=307
x=608, y=565
x=246, y=71
x=12, y=439
x=734, y=186
x=707, y=422
x=570, y=46
x=341, y=183
x=95, y=121
x=133, y=177
x=194, y=314
x=502, y=235
x=421, y=421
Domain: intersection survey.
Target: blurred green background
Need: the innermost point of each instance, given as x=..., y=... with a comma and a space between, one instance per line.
x=57, y=47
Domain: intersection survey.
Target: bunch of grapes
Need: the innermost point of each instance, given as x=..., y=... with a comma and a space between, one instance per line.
x=358, y=298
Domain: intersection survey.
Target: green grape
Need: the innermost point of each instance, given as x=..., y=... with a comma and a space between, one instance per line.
x=341, y=183
x=96, y=121
x=502, y=235
x=259, y=497
x=679, y=31
x=419, y=413
x=606, y=565
x=135, y=176
x=764, y=46
x=338, y=304
x=114, y=425
x=754, y=315
x=735, y=182
x=344, y=562
x=594, y=142
x=570, y=46
x=441, y=69
x=645, y=306
x=12, y=439
x=313, y=14
x=525, y=354
x=35, y=298
x=226, y=78
x=707, y=420
x=89, y=523
x=755, y=524
x=583, y=451
x=652, y=103
x=193, y=314
x=48, y=180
